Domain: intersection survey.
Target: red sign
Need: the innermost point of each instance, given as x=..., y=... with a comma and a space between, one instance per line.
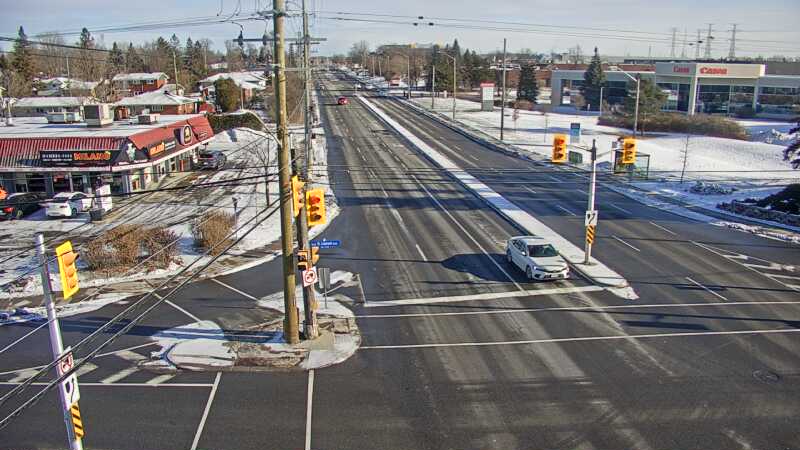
x=680, y=69
x=713, y=71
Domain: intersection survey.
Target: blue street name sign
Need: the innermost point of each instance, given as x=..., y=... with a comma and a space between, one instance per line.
x=325, y=243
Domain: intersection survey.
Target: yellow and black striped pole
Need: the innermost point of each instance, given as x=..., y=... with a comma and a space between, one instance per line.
x=77, y=423
x=590, y=231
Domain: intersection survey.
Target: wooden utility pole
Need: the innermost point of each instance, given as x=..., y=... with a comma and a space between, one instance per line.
x=290, y=322
x=503, y=94
x=310, y=329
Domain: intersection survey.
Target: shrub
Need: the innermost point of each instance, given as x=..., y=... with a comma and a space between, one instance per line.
x=121, y=248
x=745, y=112
x=212, y=230
x=224, y=122
x=701, y=124
x=525, y=105
x=787, y=200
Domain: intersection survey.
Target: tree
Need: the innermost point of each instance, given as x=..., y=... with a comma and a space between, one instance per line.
x=593, y=80
x=116, y=59
x=651, y=99
x=22, y=60
x=133, y=62
x=228, y=94
x=792, y=152
x=358, y=52
x=175, y=44
x=527, y=89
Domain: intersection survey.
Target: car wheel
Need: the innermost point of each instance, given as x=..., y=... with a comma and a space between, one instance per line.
x=529, y=273
x=18, y=214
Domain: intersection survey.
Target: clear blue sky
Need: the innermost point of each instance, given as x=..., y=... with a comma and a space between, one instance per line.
x=763, y=20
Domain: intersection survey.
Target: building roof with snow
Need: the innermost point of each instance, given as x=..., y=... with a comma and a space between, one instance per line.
x=155, y=98
x=140, y=76
x=54, y=102
x=245, y=80
x=64, y=83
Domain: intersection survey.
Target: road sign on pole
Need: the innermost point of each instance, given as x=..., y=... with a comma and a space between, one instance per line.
x=591, y=218
x=325, y=243
x=309, y=276
x=590, y=232
x=324, y=281
x=69, y=387
x=575, y=133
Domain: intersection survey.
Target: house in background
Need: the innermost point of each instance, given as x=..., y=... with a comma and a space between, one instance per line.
x=67, y=87
x=248, y=83
x=161, y=102
x=130, y=84
x=41, y=106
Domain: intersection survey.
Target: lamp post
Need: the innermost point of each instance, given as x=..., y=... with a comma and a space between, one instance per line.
x=455, y=89
x=408, y=74
x=637, y=79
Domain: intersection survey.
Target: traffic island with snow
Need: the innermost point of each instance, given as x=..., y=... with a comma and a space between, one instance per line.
x=260, y=346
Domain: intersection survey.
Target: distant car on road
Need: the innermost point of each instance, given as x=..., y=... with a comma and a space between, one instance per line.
x=15, y=206
x=212, y=160
x=341, y=101
x=68, y=204
x=537, y=258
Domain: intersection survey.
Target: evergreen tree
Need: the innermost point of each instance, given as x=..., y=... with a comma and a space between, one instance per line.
x=86, y=40
x=22, y=60
x=116, y=59
x=227, y=94
x=133, y=62
x=175, y=43
x=651, y=99
x=593, y=80
x=792, y=151
x=527, y=89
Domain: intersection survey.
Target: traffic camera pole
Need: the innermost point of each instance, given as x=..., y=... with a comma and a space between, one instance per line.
x=56, y=344
x=310, y=329
x=590, y=202
x=290, y=323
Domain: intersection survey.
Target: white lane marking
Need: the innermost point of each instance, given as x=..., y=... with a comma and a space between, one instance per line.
x=788, y=277
x=571, y=308
x=583, y=339
x=464, y=230
x=489, y=296
x=757, y=266
x=566, y=210
x=554, y=178
x=662, y=228
x=119, y=375
x=96, y=356
x=43, y=383
x=128, y=355
x=84, y=369
x=170, y=303
x=205, y=412
x=585, y=194
x=629, y=245
x=23, y=375
x=620, y=208
x=309, y=404
x=530, y=190
x=384, y=192
x=706, y=288
x=245, y=294
x=421, y=253
x=161, y=378
x=750, y=266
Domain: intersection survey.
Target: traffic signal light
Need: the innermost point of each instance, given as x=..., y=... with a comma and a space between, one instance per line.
x=297, y=194
x=315, y=206
x=66, y=268
x=314, y=255
x=629, y=151
x=559, y=148
x=302, y=260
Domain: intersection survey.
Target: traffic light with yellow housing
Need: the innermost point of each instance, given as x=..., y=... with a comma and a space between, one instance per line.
x=314, y=255
x=559, y=148
x=315, y=206
x=297, y=194
x=67, y=269
x=302, y=260
x=629, y=151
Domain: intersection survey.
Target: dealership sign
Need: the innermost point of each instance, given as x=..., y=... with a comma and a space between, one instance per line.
x=706, y=70
x=78, y=157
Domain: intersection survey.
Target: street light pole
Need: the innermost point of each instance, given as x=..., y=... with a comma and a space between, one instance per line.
x=637, y=79
x=455, y=84
x=503, y=96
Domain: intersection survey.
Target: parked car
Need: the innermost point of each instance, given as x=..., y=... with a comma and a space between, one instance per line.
x=68, y=204
x=15, y=206
x=341, y=101
x=211, y=160
x=537, y=258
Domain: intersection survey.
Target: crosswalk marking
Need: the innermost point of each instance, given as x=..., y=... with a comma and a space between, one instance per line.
x=23, y=375
x=161, y=379
x=119, y=375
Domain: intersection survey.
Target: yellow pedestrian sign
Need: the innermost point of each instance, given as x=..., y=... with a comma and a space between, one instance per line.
x=590, y=231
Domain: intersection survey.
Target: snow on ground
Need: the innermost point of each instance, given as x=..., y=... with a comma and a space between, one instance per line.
x=66, y=310
x=333, y=308
x=201, y=344
x=708, y=157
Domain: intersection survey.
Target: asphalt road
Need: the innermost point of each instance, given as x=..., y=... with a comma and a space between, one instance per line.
x=706, y=364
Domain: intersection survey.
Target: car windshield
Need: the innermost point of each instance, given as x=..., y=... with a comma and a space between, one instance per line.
x=542, y=251
x=207, y=155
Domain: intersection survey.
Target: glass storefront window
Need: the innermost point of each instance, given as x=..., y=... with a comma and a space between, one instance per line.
x=779, y=100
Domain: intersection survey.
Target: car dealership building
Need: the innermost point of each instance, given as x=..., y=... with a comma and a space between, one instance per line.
x=694, y=87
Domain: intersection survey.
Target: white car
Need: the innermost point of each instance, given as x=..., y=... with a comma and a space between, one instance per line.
x=537, y=258
x=68, y=204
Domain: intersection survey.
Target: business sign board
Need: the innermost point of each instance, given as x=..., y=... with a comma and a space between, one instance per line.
x=487, y=96
x=711, y=70
x=74, y=158
x=185, y=135
x=575, y=133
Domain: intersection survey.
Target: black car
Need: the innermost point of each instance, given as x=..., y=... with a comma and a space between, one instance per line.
x=15, y=206
x=211, y=160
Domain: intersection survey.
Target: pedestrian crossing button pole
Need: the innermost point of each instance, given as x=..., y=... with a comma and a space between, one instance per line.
x=591, y=214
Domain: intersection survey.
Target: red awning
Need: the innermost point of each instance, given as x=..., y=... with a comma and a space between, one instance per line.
x=24, y=152
x=200, y=127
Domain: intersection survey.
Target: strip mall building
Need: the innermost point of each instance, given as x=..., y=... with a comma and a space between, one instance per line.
x=39, y=156
x=710, y=88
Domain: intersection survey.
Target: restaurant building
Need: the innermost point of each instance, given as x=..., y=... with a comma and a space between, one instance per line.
x=694, y=87
x=130, y=155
